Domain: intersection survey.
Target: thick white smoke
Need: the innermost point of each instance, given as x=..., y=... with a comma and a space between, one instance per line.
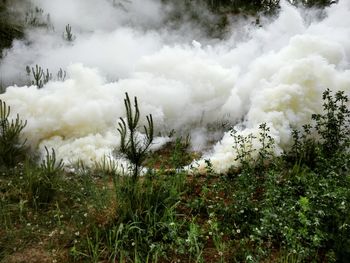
x=274, y=74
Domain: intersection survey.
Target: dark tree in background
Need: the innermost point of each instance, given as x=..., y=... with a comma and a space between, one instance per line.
x=255, y=5
x=12, y=24
x=318, y=3
x=9, y=29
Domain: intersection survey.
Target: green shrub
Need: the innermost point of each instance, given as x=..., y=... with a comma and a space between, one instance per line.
x=298, y=203
x=334, y=125
x=325, y=143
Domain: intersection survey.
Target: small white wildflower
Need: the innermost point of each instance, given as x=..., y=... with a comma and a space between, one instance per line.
x=85, y=215
x=172, y=224
x=77, y=233
x=238, y=231
x=54, y=261
x=221, y=254
x=249, y=258
x=61, y=232
x=133, y=244
x=210, y=233
x=28, y=224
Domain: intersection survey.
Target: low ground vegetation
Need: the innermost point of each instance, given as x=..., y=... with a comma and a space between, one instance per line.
x=289, y=208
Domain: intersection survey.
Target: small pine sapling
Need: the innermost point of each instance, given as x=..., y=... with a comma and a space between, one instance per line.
x=61, y=75
x=40, y=77
x=68, y=35
x=12, y=149
x=43, y=187
x=50, y=166
x=131, y=145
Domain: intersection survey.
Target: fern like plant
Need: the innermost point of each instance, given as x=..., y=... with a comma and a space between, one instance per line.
x=12, y=149
x=131, y=145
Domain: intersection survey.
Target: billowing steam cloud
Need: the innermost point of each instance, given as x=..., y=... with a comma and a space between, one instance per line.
x=274, y=74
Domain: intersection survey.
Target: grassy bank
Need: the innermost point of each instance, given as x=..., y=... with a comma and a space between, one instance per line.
x=289, y=208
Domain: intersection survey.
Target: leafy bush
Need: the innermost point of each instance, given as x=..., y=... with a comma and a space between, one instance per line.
x=300, y=202
x=334, y=125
